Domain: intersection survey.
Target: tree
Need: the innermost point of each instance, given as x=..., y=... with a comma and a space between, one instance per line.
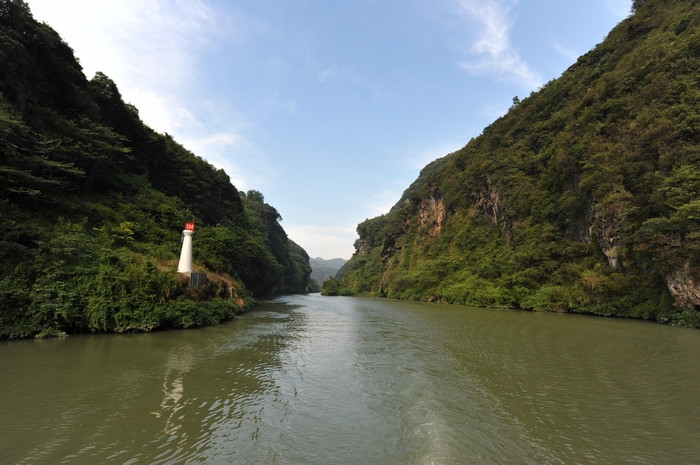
x=637, y=4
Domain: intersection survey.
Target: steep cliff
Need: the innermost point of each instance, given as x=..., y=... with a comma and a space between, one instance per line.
x=584, y=197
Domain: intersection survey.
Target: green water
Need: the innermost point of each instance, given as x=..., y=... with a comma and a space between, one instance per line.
x=314, y=380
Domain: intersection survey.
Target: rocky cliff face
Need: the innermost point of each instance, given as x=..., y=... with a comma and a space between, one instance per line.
x=362, y=246
x=606, y=228
x=432, y=214
x=489, y=202
x=684, y=285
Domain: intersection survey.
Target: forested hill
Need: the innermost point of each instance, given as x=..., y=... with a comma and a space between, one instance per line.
x=322, y=269
x=584, y=197
x=93, y=203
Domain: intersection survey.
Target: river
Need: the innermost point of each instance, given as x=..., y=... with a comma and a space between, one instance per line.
x=343, y=380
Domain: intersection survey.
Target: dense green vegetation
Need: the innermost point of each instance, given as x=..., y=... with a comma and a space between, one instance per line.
x=93, y=203
x=584, y=197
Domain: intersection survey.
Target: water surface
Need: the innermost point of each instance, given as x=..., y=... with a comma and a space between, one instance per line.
x=340, y=380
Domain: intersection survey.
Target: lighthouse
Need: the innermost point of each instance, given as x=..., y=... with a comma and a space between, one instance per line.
x=185, y=264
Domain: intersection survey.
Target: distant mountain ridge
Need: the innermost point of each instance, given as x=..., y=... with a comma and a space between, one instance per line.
x=322, y=269
x=584, y=197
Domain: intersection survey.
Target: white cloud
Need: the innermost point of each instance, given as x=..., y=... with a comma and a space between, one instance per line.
x=229, y=151
x=346, y=75
x=148, y=47
x=287, y=106
x=496, y=109
x=570, y=54
x=322, y=241
x=420, y=159
x=380, y=202
x=495, y=25
x=492, y=47
x=159, y=111
x=334, y=73
x=619, y=9
x=151, y=48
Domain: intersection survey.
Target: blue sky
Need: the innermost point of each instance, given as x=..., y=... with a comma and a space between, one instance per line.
x=330, y=108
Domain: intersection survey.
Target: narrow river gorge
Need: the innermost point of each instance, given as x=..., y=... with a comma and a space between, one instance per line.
x=341, y=380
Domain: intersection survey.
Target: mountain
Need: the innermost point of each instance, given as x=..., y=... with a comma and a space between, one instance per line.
x=321, y=269
x=93, y=203
x=584, y=197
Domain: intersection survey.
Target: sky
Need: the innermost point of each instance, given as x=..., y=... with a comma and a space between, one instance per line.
x=329, y=108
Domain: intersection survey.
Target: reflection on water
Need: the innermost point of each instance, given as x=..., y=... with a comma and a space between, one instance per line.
x=178, y=364
x=315, y=380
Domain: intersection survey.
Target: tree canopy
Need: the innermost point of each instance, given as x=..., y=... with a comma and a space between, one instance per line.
x=93, y=203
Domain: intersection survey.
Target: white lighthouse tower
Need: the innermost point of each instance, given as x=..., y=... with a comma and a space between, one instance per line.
x=185, y=264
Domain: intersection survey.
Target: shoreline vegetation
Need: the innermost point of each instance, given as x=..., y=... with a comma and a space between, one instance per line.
x=93, y=203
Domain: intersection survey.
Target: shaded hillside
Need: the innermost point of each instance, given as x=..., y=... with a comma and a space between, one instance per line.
x=321, y=269
x=93, y=203
x=585, y=197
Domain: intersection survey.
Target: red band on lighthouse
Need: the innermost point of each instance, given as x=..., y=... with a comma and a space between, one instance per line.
x=189, y=226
